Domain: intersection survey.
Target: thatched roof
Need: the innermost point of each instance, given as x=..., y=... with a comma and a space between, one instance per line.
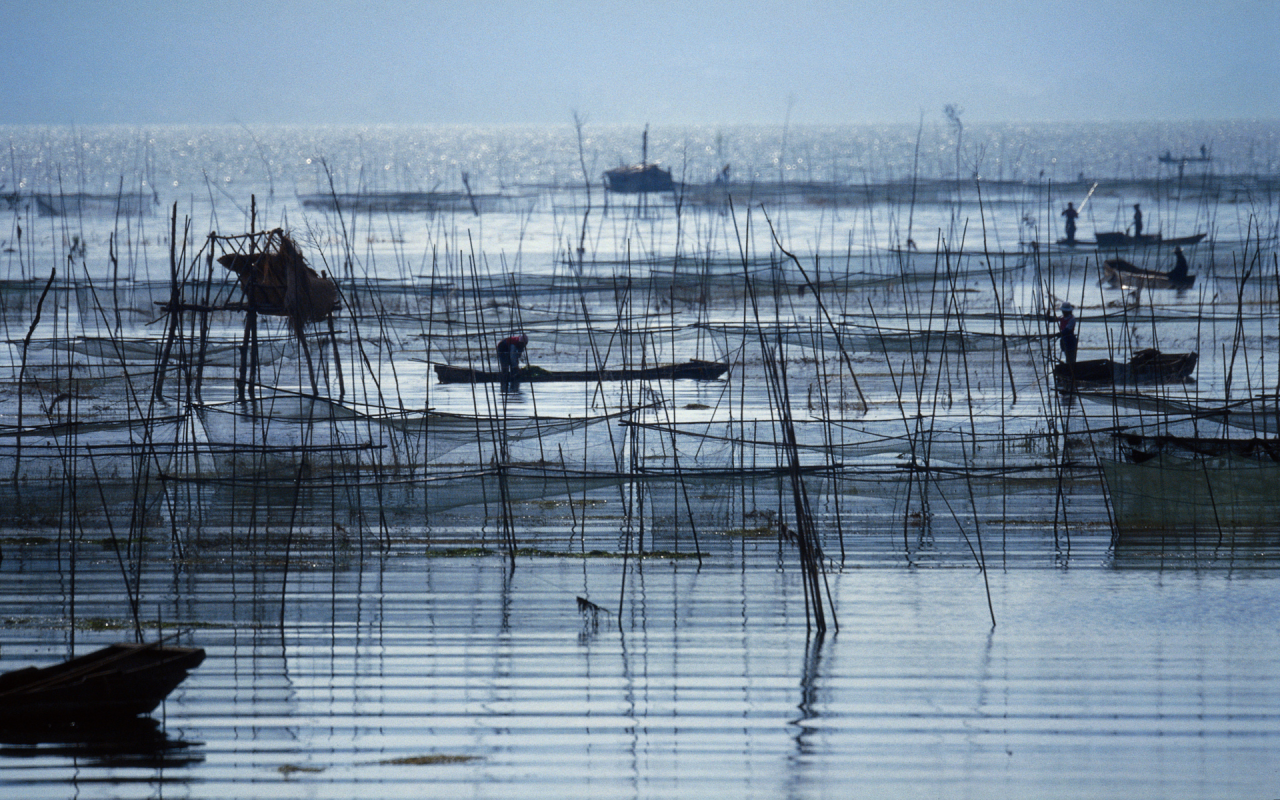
x=276, y=280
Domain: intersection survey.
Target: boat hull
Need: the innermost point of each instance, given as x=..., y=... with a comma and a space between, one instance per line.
x=1146, y=366
x=690, y=370
x=1122, y=239
x=638, y=179
x=117, y=682
x=1120, y=273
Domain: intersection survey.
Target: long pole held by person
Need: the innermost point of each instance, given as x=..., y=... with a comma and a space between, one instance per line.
x=1086, y=198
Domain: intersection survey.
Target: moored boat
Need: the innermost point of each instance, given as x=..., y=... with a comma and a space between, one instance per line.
x=1143, y=447
x=1121, y=273
x=1168, y=157
x=1146, y=366
x=120, y=681
x=1123, y=239
x=689, y=370
x=638, y=178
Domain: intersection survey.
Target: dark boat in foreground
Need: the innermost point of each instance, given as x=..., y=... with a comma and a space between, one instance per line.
x=689, y=370
x=1169, y=158
x=1119, y=272
x=1146, y=366
x=120, y=681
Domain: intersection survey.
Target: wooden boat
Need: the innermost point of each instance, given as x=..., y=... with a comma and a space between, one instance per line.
x=1146, y=366
x=1142, y=447
x=117, y=682
x=689, y=370
x=638, y=178
x=1169, y=158
x=401, y=202
x=1122, y=239
x=1119, y=273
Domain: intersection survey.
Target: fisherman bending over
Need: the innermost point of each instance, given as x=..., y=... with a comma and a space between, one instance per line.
x=510, y=350
x=1070, y=213
x=1067, y=334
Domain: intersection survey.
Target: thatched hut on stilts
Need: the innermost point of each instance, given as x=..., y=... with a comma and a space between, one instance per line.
x=276, y=281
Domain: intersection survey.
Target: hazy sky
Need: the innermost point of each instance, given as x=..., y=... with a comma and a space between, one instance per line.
x=692, y=61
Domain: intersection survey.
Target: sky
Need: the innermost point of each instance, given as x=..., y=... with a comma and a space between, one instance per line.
x=713, y=62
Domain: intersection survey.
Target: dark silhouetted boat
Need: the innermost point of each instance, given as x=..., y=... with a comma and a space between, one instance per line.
x=639, y=178
x=1122, y=239
x=1146, y=366
x=117, y=682
x=1144, y=447
x=402, y=202
x=689, y=370
x=1169, y=158
x=1119, y=272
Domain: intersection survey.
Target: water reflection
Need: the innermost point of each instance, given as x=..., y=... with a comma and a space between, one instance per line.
x=809, y=706
x=139, y=743
x=452, y=673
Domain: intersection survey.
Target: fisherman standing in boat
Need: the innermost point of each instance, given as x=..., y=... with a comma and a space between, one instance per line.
x=1137, y=220
x=1070, y=213
x=1067, y=334
x=1179, y=272
x=510, y=350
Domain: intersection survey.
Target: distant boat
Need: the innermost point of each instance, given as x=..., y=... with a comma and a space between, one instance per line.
x=1122, y=239
x=1146, y=366
x=74, y=204
x=401, y=202
x=639, y=178
x=689, y=370
x=1119, y=272
x=117, y=682
x=1170, y=158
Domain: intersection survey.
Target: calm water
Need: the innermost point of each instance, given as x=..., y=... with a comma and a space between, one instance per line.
x=1097, y=682
x=388, y=614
